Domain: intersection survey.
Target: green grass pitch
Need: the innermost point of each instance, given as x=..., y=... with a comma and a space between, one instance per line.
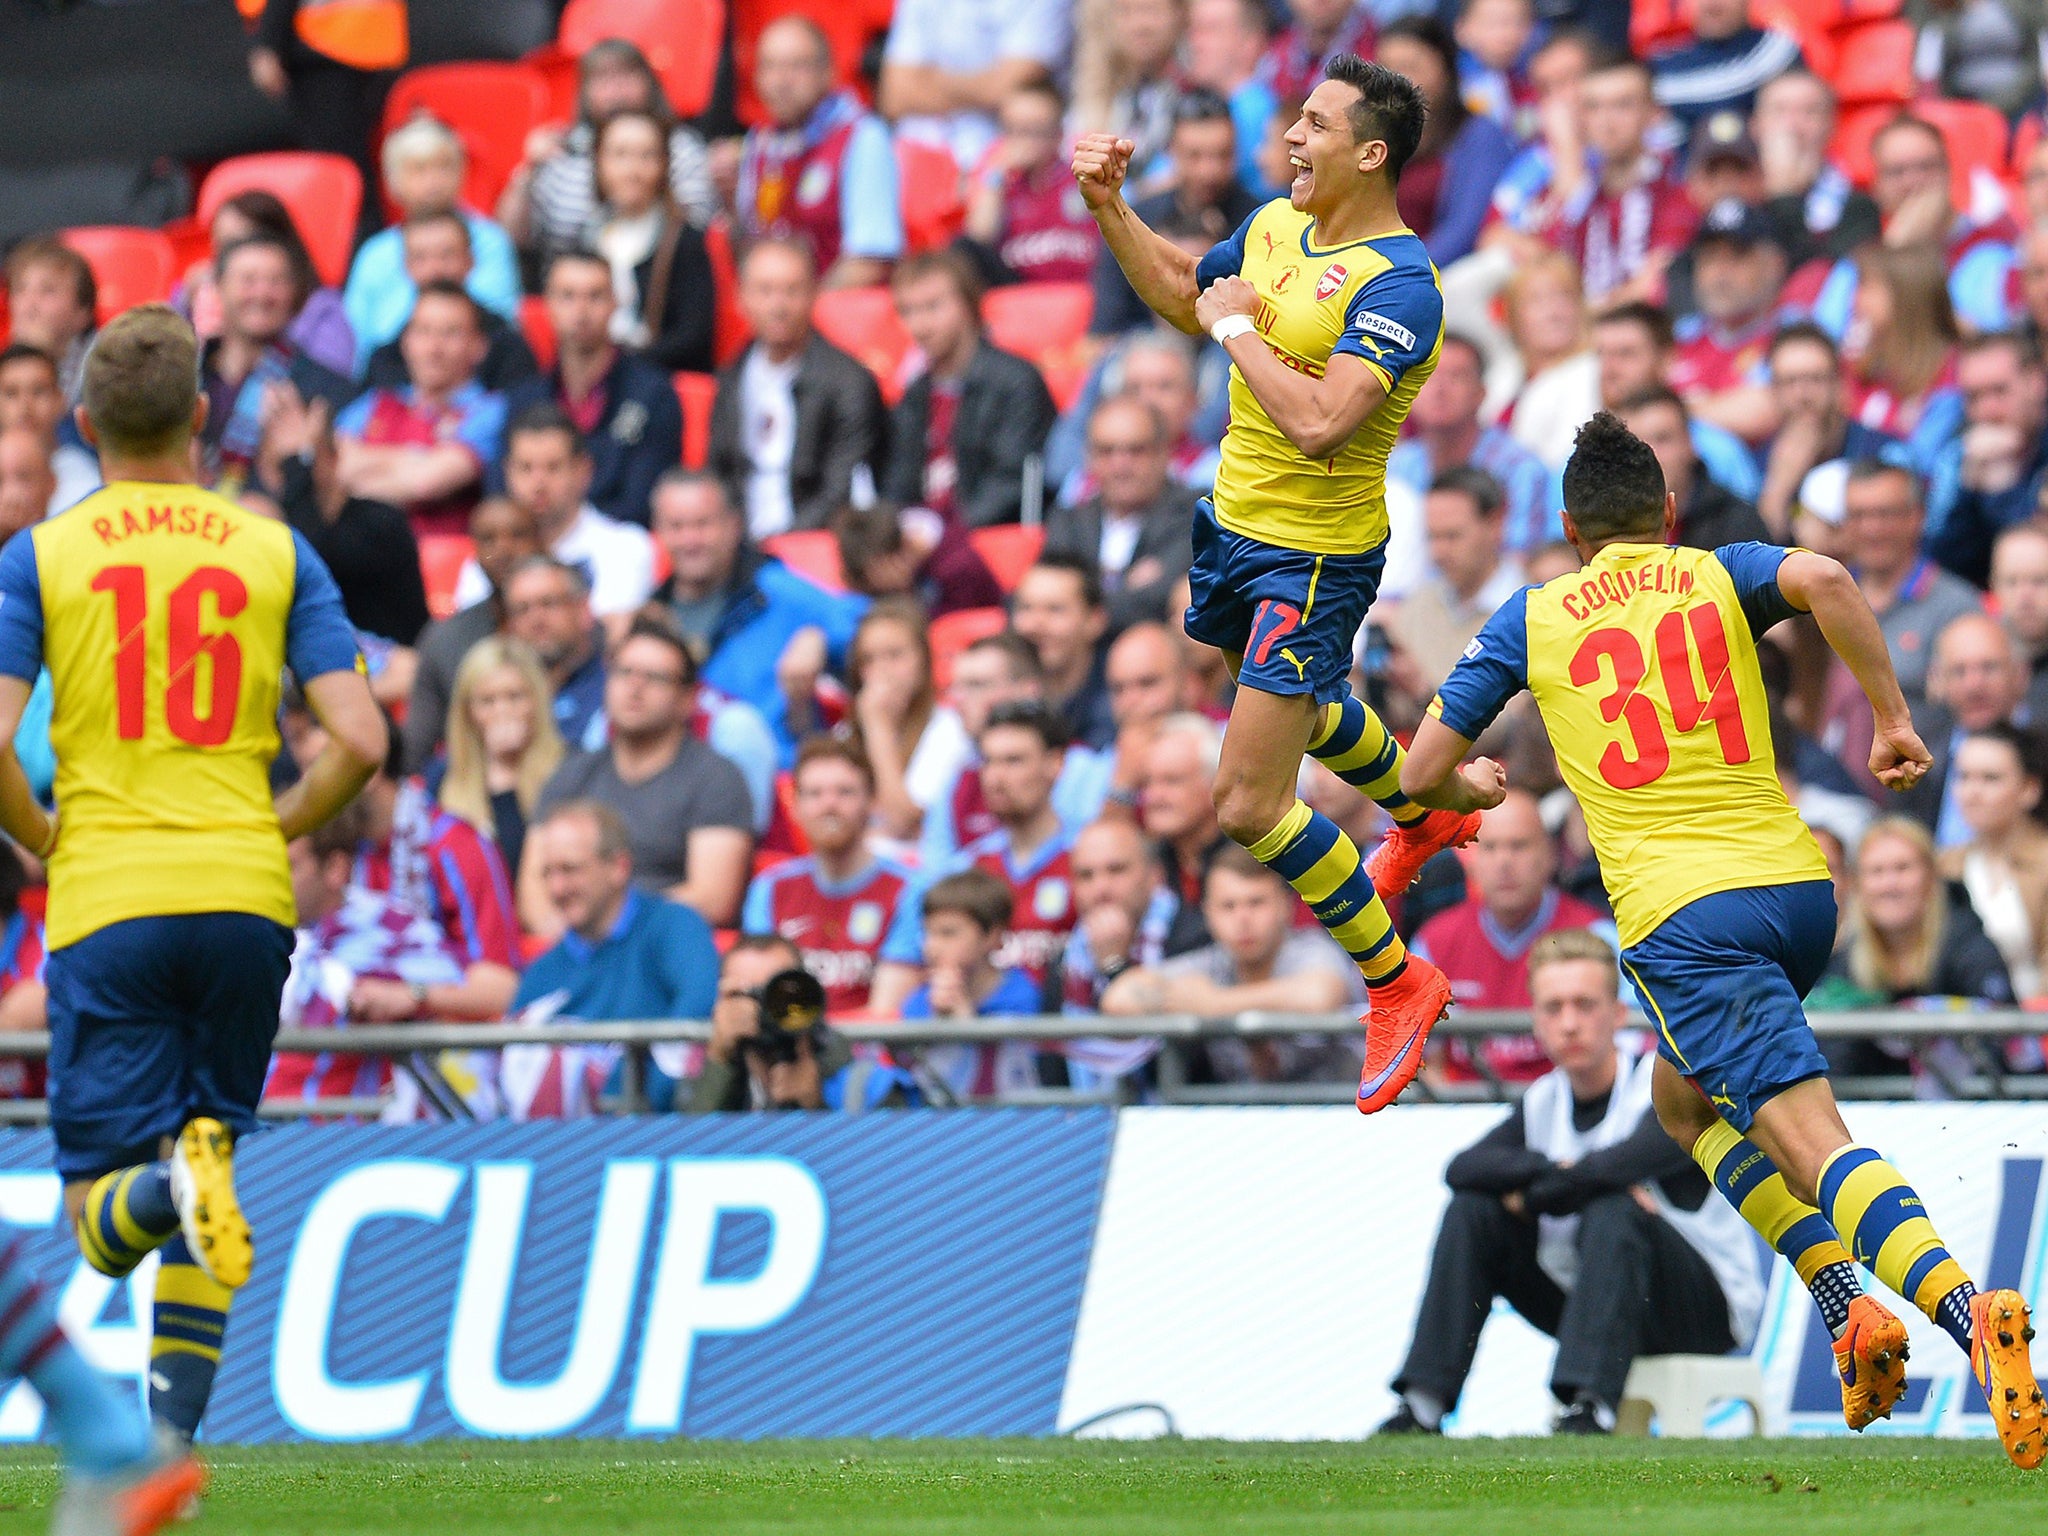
x=1892, y=1486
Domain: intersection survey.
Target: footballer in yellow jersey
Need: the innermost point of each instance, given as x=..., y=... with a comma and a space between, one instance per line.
x=166, y=617
x=1644, y=667
x=1333, y=318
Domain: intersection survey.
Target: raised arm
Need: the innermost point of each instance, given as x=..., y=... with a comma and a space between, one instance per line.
x=1160, y=272
x=1824, y=588
x=20, y=816
x=355, y=750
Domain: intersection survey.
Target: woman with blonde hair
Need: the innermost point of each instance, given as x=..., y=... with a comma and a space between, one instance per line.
x=913, y=745
x=502, y=742
x=1900, y=348
x=1545, y=307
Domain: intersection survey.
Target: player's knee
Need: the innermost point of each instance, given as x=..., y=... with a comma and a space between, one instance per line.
x=1245, y=811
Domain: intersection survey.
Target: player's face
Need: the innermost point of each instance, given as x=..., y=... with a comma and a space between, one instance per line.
x=935, y=314
x=1110, y=869
x=29, y=398
x=630, y=166
x=1894, y=883
x=832, y=805
x=544, y=610
x=437, y=253
x=791, y=73
x=504, y=535
x=1616, y=108
x=1513, y=860
x=701, y=534
x=645, y=689
x=442, y=346
x=580, y=305
x=953, y=941
x=1576, y=1013
x=257, y=295
x=26, y=483
x=1463, y=546
x=1177, y=797
x=1017, y=773
x=1327, y=156
x=584, y=887
x=1051, y=611
x=2019, y=581
x=1736, y=283
x=775, y=296
x=545, y=475
x=1249, y=918
x=1143, y=677
x=1805, y=381
x=1204, y=156
x=43, y=308
x=503, y=711
x=1993, y=789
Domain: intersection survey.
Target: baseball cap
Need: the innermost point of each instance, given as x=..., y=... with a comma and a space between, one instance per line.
x=1721, y=136
x=1735, y=222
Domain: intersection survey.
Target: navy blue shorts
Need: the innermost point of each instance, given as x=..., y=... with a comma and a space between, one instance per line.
x=1292, y=616
x=155, y=1020
x=1722, y=979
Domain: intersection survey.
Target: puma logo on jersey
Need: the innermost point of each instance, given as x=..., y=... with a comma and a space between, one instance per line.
x=1300, y=662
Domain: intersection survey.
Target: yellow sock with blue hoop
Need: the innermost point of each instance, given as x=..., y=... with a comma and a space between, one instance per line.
x=127, y=1216
x=1886, y=1226
x=1311, y=853
x=1355, y=744
x=188, y=1324
x=1745, y=1174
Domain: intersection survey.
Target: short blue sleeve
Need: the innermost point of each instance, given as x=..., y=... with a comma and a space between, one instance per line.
x=903, y=944
x=1394, y=322
x=21, y=609
x=1753, y=567
x=1225, y=260
x=754, y=911
x=318, y=637
x=1494, y=668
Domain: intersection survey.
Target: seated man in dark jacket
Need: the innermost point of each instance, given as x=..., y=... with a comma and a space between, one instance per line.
x=1584, y=1216
x=1137, y=527
x=796, y=419
x=965, y=432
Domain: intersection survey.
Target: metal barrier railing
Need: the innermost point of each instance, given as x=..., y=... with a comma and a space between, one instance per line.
x=415, y=1049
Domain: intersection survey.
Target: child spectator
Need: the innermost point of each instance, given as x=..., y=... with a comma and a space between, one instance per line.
x=966, y=916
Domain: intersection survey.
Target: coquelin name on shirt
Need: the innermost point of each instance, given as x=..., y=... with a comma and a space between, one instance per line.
x=1617, y=587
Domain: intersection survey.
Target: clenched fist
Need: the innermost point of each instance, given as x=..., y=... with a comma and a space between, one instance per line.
x=1101, y=160
x=1225, y=296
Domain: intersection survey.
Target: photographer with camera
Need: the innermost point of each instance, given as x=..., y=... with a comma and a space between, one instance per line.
x=770, y=1048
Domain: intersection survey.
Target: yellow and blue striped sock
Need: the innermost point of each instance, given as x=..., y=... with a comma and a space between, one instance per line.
x=1311, y=853
x=1887, y=1227
x=1741, y=1170
x=127, y=1216
x=1353, y=743
x=189, y=1321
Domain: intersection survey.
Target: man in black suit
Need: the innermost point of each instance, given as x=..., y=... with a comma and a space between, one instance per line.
x=966, y=432
x=1136, y=525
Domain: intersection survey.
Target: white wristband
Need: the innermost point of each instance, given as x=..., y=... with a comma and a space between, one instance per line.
x=1231, y=325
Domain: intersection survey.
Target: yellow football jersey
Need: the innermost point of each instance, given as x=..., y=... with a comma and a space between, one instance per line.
x=166, y=615
x=1378, y=299
x=1644, y=667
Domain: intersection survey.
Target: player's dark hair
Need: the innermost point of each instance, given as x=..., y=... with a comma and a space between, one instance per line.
x=20, y=351
x=1613, y=484
x=1033, y=715
x=142, y=382
x=541, y=418
x=834, y=749
x=441, y=288
x=1015, y=649
x=1488, y=497
x=1427, y=32
x=1390, y=107
x=1809, y=333
x=1648, y=316
x=975, y=894
x=1083, y=570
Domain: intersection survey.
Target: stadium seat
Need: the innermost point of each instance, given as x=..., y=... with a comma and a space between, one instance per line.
x=1806, y=17
x=1876, y=64
x=952, y=633
x=1853, y=136
x=1676, y=1391
x=681, y=39
x=491, y=106
x=323, y=192
x=696, y=392
x=1065, y=378
x=2025, y=135
x=131, y=266
x=1034, y=319
x=729, y=332
x=1978, y=137
x=442, y=557
x=538, y=329
x=558, y=71
x=1656, y=24
x=847, y=28
x=1008, y=549
x=812, y=553
x=863, y=321
x=934, y=204
x=1855, y=12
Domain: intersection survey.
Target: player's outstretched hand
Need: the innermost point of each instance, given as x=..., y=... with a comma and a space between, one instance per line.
x=1899, y=759
x=1101, y=161
x=1486, y=784
x=1225, y=296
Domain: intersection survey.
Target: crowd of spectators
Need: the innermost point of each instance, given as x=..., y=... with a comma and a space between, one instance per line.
x=957, y=782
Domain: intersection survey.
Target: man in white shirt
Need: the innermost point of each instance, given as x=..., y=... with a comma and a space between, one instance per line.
x=547, y=474
x=951, y=63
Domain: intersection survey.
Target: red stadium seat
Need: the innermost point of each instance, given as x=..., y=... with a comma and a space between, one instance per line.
x=538, y=328
x=442, y=557
x=934, y=203
x=1065, y=378
x=952, y=633
x=1876, y=64
x=729, y=330
x=1806, y=17
x=681, y=39
x=1008, y=550
x=846, y=28
x=1035, y=319
x=1656, y=24
x=1853, y=135
x=131, y=266
x=863, y=321
x=491, y=106
x=323, y=192
x=696, y=392
x=2024, y=137
x=1855, y=12
x=1978, y=137
x=558, y=71
x=812, y=553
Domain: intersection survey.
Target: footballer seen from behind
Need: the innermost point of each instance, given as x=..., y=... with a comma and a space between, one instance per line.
x=1333, y=318
x=1644, y=666
x=166, y=616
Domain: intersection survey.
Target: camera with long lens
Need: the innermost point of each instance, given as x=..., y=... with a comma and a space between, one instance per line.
x=792, y=1005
